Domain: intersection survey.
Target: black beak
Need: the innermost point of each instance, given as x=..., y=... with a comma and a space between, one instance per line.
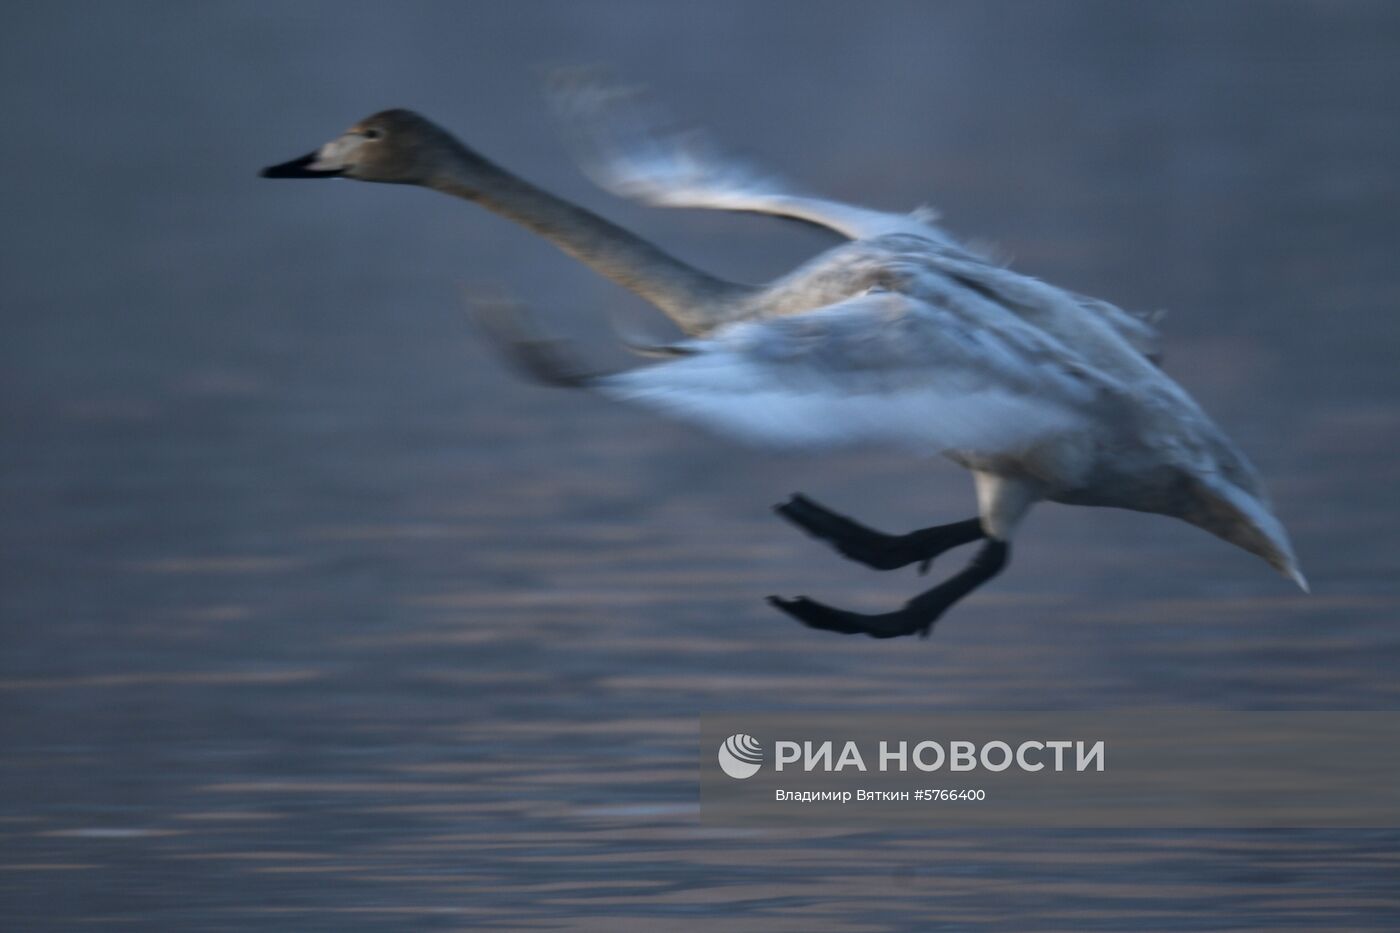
x=297, y=168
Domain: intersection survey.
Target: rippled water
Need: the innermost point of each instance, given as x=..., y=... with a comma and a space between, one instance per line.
x=315, y=620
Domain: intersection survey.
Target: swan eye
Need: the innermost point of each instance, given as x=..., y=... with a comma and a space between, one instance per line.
x=371, y=134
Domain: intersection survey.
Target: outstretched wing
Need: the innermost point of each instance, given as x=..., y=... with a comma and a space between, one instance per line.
x=628, y=147
x=882, y=368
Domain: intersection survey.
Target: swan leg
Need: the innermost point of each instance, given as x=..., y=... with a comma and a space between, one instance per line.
x=1002, y=502
x=873, y=548
x=917, y=615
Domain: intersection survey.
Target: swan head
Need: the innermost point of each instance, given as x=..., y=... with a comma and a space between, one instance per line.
x=392, y=146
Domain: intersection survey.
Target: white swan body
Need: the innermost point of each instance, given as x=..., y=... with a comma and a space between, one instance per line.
x=901, y=336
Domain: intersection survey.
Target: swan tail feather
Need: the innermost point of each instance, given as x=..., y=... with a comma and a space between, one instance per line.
x=1245, y=520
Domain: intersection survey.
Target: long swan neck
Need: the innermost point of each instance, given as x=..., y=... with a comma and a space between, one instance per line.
x=694, y=299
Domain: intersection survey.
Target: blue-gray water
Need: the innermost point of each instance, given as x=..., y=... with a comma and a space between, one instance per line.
x=313, y=619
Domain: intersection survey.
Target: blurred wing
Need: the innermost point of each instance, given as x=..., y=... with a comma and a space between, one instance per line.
x=878, y=369
x=628, y=147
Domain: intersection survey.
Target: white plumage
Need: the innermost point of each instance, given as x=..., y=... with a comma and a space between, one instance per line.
x=881, y=368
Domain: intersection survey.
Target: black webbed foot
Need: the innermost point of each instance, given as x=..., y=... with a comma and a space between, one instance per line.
x=873, y=548
x=828, y=618
x=850, y=538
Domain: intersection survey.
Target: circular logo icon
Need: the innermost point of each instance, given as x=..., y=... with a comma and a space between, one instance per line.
x=740, y=756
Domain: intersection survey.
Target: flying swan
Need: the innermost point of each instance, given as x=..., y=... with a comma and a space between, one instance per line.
x=901, y=336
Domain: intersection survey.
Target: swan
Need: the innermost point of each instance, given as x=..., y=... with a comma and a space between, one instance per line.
x=901, y=336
